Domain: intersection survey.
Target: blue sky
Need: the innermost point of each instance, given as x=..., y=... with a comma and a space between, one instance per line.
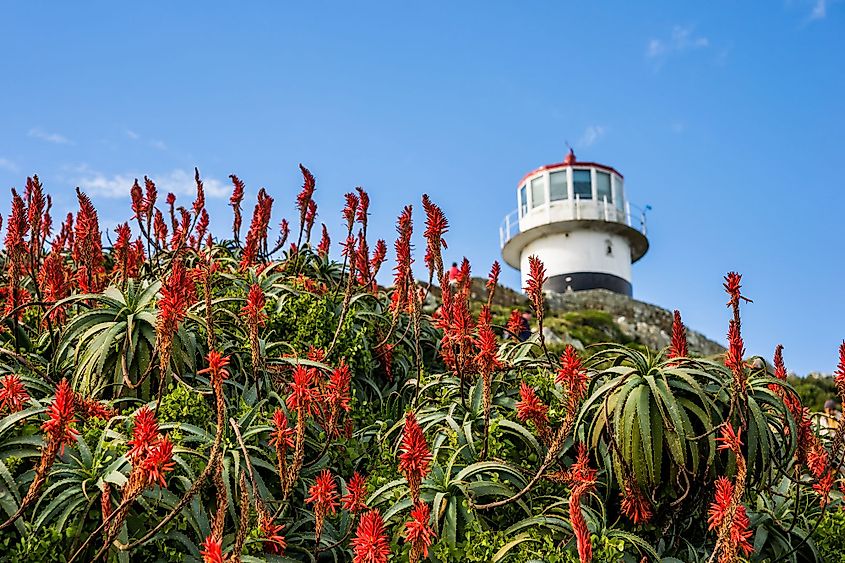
x=726, y=117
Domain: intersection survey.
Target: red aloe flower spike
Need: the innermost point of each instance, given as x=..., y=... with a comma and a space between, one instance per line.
x=363, y=207
x=13, y=394
x=355, y=499
x=282, y=435
x=47, y=224
x=159, y=461
x=60, y=412
x=271, y=532
x=171, y=203
x=160, y=229
x=202, y=227
x=199, y=202
x=139, y=206
x=256, y=237
x=254, y=308
x=151, y=194
x=514, y=326
x=303, y=393
x=144, y=435
x=309, y=219
x=350, y=210
x=487, y=360
x=436, y=226
x=839, y=374
x=635, y=505
x=730, y=439
x=678, y=348
x=733, y=283
x=573, y=377
x=493, y=282
x=418, y=531
x=415, y=454
x=217, y=364
x=824, y=486
x=736, y=351
x=338, y=387
x=817, y=458
x=740, y=532
x=212, y=550
x=53, y=279
x=88, y=247
x=323, y=495
x=721, y=503
x=370, y=543
x=379, y=255
x=235, y=201
x=304, y=198
x=536, y=279
x=531, y=407
x=582, y=479
x=325, y=242
x=780, y=367
x=89, y=407
x=403, y=276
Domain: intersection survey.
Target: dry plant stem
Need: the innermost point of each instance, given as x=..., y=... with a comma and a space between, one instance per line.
x=48, y=458
x=487, y=399
x=243, y=521
x=219, y=521
x=416, y=319
x=347, y=298
x=96, y=532
x=298, y=455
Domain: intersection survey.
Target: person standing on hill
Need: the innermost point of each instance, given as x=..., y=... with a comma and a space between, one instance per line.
x=831, y=419
x=454, y=274
x=524, y=327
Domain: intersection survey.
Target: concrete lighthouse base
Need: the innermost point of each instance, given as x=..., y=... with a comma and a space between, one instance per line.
x=580, y=281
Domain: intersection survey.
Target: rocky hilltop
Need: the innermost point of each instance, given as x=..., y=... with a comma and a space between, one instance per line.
x=588, y=317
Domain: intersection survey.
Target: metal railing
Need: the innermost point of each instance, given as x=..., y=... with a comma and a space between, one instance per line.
x=571, y=210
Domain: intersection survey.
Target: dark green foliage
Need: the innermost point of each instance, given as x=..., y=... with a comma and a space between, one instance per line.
x=183, y=405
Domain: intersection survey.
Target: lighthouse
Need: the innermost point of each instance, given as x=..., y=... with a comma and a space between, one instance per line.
x=576, y=218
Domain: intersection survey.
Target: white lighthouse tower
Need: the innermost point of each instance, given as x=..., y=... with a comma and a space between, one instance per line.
x=575, y=217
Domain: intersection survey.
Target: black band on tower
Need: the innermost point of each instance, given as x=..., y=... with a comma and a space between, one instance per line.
x=579, y=281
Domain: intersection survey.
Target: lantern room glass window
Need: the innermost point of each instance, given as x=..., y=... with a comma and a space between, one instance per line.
x=603, y=189
x=582, y=184
x=620, y=195
x=538, y=192
x=523, y=200
x=558, y=188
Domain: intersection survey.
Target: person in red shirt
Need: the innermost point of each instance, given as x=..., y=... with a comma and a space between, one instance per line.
x=454, y=274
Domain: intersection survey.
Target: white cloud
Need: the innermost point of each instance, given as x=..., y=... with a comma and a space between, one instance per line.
x=56, y=138
x=819, y=10
x=6, y=164
x=682, y=39
x=591, y=135
x=158, y=145
x=178, y=181
x=132, y=135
